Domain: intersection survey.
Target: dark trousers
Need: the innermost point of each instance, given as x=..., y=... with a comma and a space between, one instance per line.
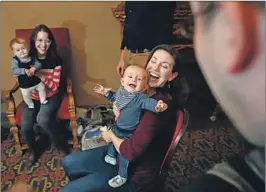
x=45, y=115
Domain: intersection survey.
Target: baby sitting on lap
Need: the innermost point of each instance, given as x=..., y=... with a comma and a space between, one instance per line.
x=129, y=99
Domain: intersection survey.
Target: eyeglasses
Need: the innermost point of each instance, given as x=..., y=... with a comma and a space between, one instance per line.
x=47, y=42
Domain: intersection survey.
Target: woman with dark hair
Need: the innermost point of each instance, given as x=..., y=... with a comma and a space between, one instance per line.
x=43, y=48
x=145, y=149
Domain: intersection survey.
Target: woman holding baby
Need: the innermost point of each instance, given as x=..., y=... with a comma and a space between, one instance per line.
x=88, y=170
x=43, y=48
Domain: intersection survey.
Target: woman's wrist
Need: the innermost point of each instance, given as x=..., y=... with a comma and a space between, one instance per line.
x=112, y=135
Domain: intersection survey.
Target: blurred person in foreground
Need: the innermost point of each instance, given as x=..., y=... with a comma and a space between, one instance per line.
x=229, y=40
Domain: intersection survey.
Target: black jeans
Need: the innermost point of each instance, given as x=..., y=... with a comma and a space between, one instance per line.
x=45, y=115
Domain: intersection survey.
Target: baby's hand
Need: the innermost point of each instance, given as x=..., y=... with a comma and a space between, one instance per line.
x=161, y=106
x=101, y=90
x=28, y=72
x=32, y=70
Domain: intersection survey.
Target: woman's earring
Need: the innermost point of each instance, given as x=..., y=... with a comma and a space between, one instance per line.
x=169, y=85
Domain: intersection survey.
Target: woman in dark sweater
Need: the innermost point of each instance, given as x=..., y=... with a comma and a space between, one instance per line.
x=87, y=170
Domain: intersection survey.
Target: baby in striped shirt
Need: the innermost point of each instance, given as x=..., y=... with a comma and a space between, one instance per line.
x=130, y=99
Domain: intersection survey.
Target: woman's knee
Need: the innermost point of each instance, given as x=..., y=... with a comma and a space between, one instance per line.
x=67, y=161
x=42, y=120
x=46, y=116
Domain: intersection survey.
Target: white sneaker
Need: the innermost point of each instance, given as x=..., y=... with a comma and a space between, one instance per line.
x=110, y=160
x=117, y=181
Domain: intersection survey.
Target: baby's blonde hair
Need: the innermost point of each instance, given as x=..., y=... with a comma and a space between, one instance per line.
x=140, y=67
x=17, y=40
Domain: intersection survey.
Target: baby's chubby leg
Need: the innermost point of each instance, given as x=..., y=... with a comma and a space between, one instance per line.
x=111, y=152
x=26, y=97
x=42, y=92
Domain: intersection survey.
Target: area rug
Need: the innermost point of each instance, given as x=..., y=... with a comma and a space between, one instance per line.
x=200, y=150
x=45, y=176
x=197, y=152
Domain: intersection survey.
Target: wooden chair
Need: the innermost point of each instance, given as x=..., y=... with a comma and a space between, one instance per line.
x=67, y=109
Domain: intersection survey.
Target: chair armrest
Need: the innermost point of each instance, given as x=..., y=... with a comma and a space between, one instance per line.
x=11, y=105
x=69, y=86
x=71, y=101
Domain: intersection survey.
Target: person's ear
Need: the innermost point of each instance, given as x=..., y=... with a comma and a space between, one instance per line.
x=243, y=35
x=173, y=75
x=122, y=81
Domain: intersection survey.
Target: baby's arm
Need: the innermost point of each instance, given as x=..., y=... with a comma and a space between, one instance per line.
x=106, y=92
x=37, y=66
x=15, y=69
x=152, y=104
x=111, y=96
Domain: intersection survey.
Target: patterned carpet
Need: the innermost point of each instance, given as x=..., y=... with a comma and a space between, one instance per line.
x=45, y=176
x=198, y=151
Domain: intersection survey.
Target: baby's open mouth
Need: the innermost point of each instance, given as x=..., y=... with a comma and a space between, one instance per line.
x=132, y=85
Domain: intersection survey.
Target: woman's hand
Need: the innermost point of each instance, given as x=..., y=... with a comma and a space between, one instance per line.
x=101, y=90
x=106, y=135
x=110, y=137
x=116, y=111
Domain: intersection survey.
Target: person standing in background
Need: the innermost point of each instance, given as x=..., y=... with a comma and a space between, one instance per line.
x=147, y=24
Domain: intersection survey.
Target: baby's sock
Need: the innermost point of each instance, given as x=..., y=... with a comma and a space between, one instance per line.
x=31, y=106
x=117, y=181
x=44, y=102
x=110, y=160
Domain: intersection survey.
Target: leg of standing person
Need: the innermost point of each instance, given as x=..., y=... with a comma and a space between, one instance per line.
x=135, y=58
x=87, y=171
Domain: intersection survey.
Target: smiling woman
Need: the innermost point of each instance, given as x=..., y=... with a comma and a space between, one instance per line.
x=147, y=146
x=43, y=49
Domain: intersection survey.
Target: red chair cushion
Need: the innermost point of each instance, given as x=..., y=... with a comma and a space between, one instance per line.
x=62, y=113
